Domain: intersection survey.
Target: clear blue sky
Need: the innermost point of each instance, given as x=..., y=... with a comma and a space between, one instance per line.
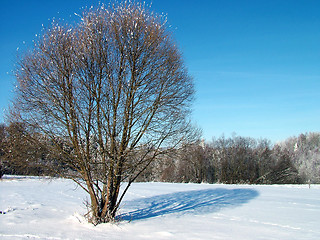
x=256, y=64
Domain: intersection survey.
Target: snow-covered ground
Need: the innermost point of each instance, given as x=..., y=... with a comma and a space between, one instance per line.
x=40, y=208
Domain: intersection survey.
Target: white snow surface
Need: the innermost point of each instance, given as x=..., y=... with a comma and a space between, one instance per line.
x=44, y=208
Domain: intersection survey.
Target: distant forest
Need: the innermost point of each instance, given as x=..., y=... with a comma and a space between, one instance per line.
x=232, y=160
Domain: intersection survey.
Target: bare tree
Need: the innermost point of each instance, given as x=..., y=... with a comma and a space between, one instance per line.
x=23, y=152
x=115, y=88
x=194, y=163
x=19, y=155
x=2, y=148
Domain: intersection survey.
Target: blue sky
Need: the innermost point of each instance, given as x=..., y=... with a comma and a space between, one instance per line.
x=256, y=64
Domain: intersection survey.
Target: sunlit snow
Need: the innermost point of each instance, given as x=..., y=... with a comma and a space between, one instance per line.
x=43, y=208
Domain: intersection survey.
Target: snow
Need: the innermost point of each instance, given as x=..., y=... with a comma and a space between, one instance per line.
x=44, y=208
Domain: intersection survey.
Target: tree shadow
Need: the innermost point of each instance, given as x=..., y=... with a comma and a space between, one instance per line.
x=189, y=202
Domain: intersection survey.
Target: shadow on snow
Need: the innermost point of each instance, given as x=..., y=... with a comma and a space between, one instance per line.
x=189, y=202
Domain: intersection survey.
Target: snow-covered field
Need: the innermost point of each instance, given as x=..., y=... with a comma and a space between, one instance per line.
x=39, y=208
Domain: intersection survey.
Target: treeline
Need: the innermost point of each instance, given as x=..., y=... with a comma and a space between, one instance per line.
x=23, y=152
x=239, y=159
x=231, y=160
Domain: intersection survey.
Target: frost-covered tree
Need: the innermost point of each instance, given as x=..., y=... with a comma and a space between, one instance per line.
x=305, y=154
x=114, y=87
